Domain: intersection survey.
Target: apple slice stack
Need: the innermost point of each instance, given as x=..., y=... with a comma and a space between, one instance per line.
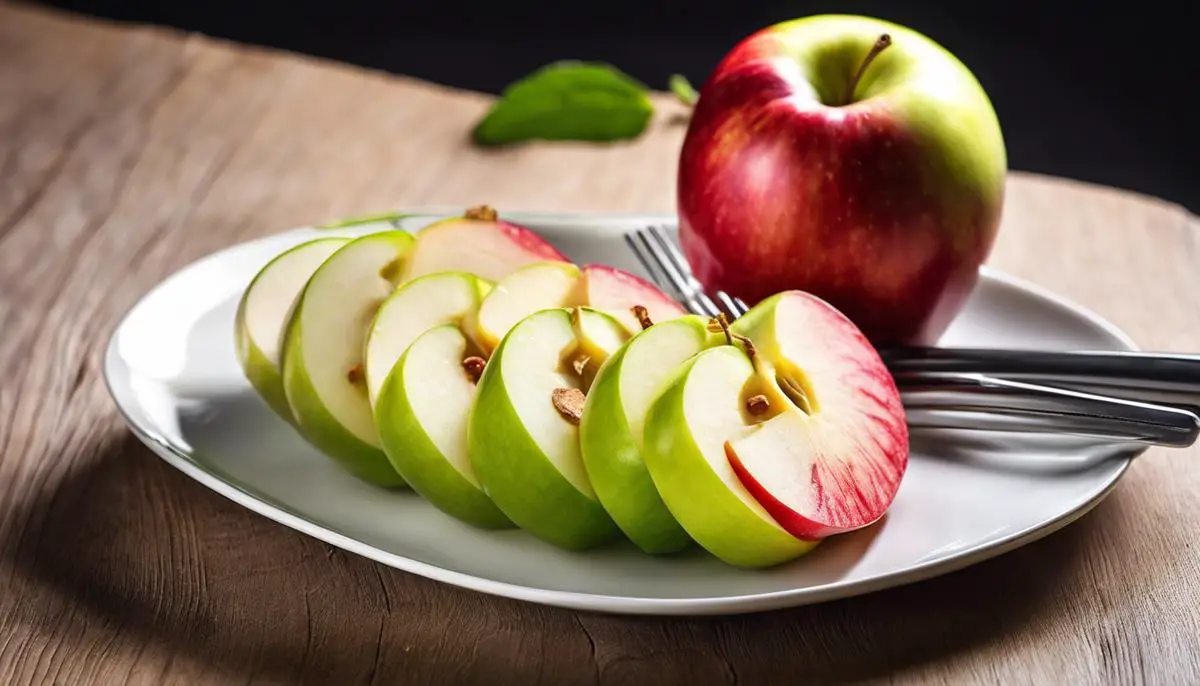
x=510, y=387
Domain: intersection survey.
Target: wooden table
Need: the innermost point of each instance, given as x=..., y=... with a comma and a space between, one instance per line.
x=126, y=153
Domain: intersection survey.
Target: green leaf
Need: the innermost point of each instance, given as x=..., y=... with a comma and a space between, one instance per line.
x=682, y=88
x=568, y=100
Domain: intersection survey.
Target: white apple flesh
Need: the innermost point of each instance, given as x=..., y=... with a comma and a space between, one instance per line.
x=263, y=314
x=534, y=287
x=523, y=447
x=422, y=412
x=414, y=308
x=323, y=352
x=549, y=285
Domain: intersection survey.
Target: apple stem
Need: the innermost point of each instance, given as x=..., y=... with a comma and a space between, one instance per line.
x=751, y=351
x=643, y=316
x=485, y=213
x=473, y=366
x=721, y=323
x=881, y=44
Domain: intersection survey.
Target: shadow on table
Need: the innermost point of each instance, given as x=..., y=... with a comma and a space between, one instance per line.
x=153, y=559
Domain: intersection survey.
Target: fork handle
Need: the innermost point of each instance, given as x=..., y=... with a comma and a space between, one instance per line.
x=974, y=401
x=1172, y=379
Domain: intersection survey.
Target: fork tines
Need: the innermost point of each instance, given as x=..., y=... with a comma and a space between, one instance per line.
x=666, y=265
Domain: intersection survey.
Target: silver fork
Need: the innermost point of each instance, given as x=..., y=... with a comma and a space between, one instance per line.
x=956, y=399
x=1160, y=378
x=668, y=268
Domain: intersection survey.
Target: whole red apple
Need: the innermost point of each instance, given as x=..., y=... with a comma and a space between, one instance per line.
x=848, y=157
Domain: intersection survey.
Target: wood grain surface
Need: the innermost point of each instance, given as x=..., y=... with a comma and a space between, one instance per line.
x=126, y=153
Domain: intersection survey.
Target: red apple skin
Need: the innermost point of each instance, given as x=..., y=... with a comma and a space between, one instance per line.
x=853, y=514
x=861, y=205
x=534, y=244
x=620, y=289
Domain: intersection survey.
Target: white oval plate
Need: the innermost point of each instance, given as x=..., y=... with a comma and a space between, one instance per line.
x=171, y=368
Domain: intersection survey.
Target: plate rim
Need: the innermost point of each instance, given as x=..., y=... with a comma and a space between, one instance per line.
x=281, y=513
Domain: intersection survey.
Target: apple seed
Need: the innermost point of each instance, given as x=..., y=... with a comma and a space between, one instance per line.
x=485, y=213
x=355, y=374
x=569, y=403
x=643, y=316
x=473, y=366
x=758, y=405
x=794, y=392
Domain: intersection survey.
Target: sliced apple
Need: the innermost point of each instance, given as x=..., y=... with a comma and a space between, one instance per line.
x=422, y=411
x=263, y=313
x=687, y=426
x=612, y=429
x=828, y=453
x=323, y=352
x=414, y=308
x=523, y=436
x=479, y=243
x=616, y=291
x=549, y=285
x=791, y=432
x=534, y=287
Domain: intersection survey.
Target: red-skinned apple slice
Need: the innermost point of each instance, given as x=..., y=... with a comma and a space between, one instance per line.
x=478, y=243
x=830, y=443
x=615, y=291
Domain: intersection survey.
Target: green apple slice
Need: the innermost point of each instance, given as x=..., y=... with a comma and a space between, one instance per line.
x=534, y=287
x=422, y=411
x=523, y=444
x=611, y=430
x=415, y=307
x=687, y=426
x=324, y=346
x=546, y=285
x=263, y=314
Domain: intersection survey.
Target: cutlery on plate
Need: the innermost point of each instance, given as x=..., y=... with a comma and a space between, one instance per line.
x=1121, y=396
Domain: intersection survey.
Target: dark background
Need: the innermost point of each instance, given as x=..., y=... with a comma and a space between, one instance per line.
x=1105, y=93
